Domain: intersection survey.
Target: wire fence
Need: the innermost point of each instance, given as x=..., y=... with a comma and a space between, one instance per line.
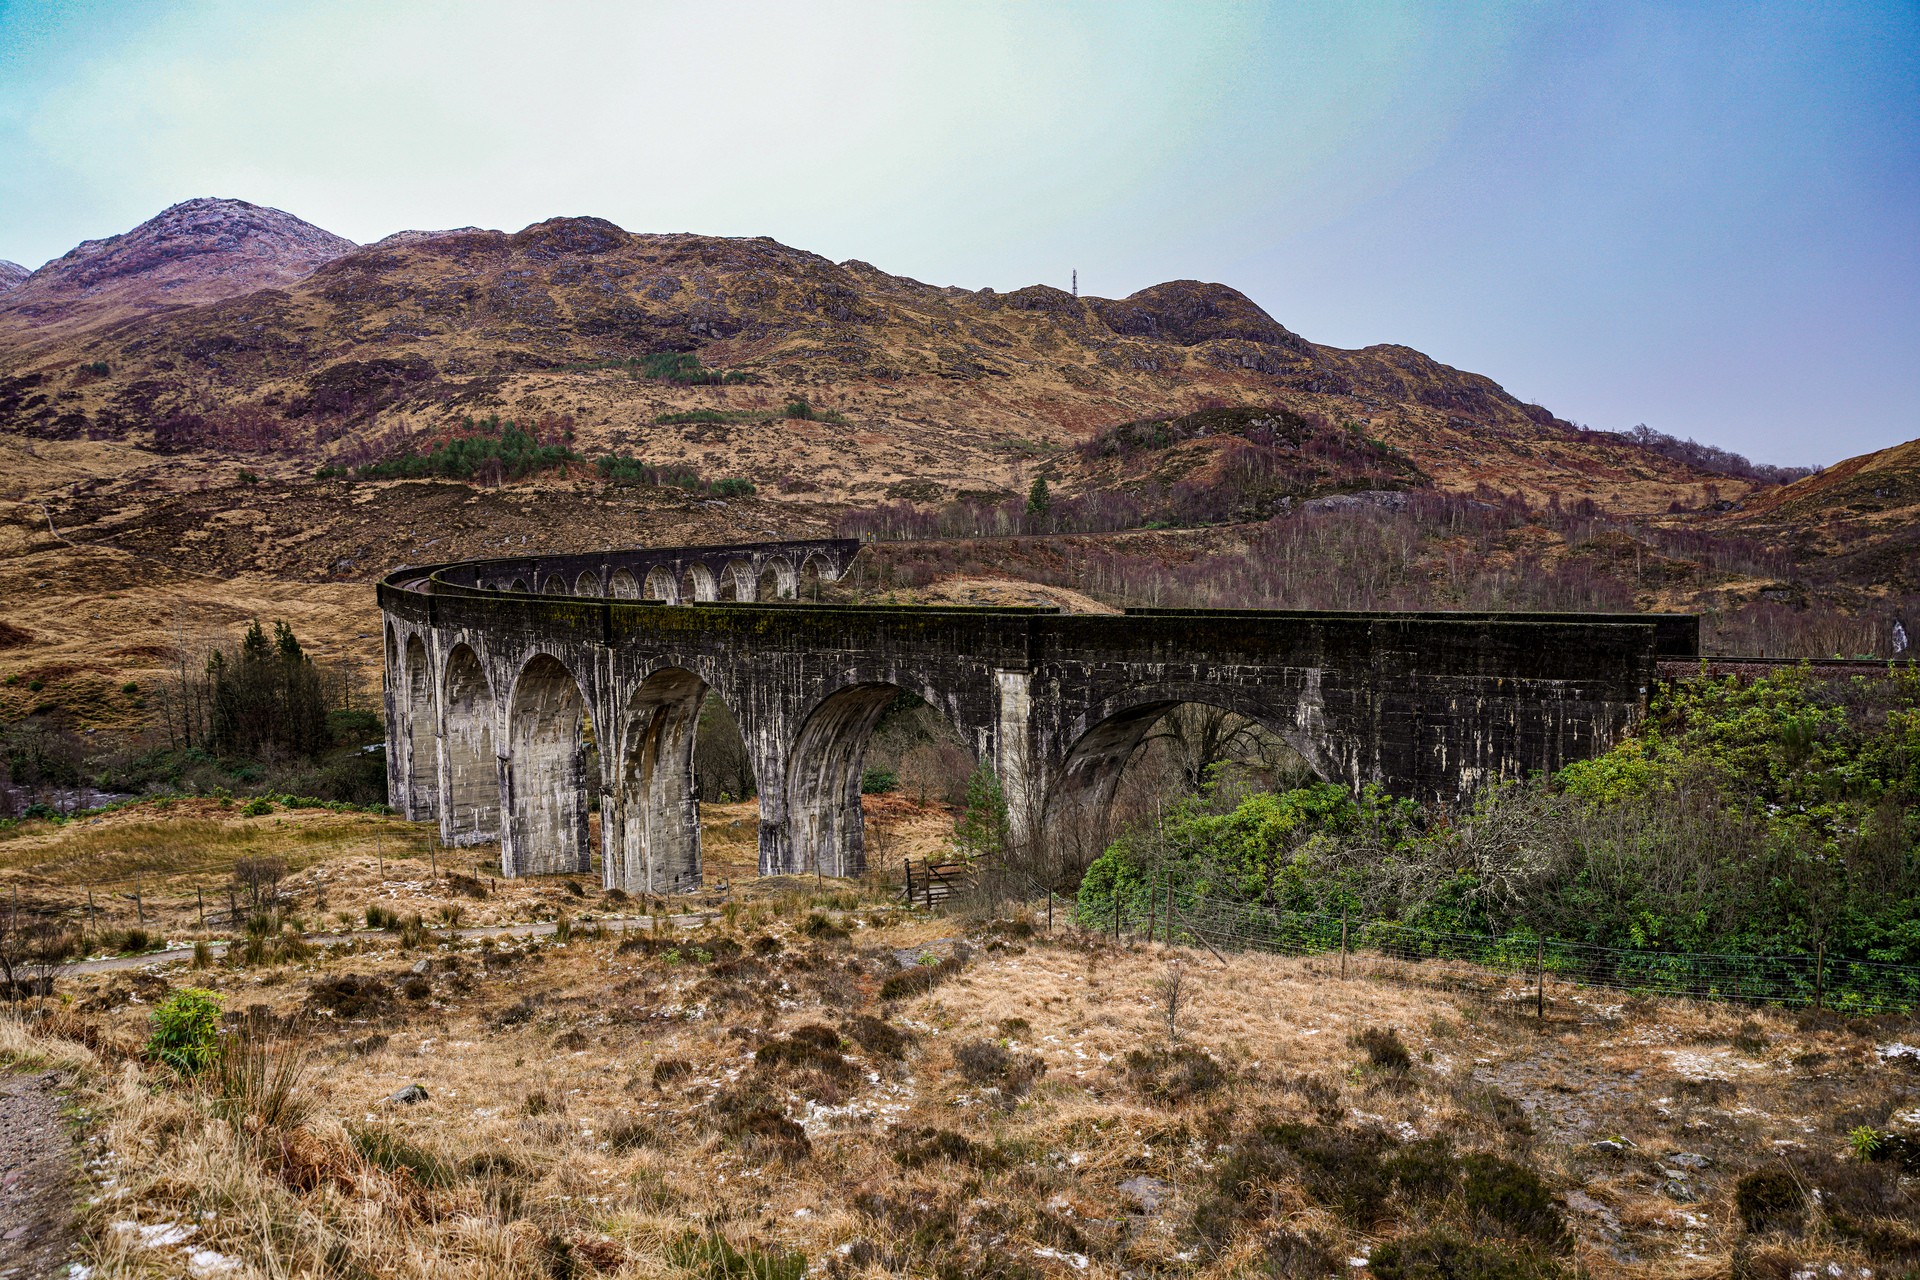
x=1510, y=964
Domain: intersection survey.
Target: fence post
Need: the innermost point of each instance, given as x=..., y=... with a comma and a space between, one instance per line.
x=1153, y=901
x=1819, y=973
x=139, y=908
x=233, y=908
x=93, y=925
x=1540, y=978
x=1049, y=911
x=1343, y=942
x=1170, y=938
x=380, y=853
x=201, y=896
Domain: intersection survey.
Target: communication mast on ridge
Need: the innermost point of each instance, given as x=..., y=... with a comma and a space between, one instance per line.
x=1076, y=282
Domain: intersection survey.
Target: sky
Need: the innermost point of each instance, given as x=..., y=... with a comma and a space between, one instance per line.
x=1703, y=217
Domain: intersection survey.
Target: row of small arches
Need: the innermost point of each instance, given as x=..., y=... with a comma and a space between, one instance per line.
x=696, y=582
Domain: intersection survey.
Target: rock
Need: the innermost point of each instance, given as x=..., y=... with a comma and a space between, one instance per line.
x=1613, y=1146
x=420, y=966
x=408, y=1096
x=1688, y=1160
x=1149, y=1193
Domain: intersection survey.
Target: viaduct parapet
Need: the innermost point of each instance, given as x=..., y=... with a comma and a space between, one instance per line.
x=499, y=673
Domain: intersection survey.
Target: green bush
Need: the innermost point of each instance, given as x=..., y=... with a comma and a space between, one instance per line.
x=1441, y=1255
x=878, y=782
x=1512, y=1197
x=258, y=807
x=186, y=1031
x=1769, y=1198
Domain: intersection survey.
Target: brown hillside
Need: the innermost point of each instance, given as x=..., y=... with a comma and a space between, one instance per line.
x=1863, y=513
x=941, y=388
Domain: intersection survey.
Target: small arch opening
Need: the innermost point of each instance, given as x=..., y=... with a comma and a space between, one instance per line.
x=587, y=584
x=660, y=585
x=776, y=580
x=555, y=585
x=624, y=585
x=736, y=582
x=697, y=584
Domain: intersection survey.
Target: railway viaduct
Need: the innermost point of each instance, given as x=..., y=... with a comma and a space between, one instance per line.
x=499, y=673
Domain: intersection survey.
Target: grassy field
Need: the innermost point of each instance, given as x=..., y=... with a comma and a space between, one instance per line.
x=822, y=1083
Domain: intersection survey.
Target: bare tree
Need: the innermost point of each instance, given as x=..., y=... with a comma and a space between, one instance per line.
x=1172, y=990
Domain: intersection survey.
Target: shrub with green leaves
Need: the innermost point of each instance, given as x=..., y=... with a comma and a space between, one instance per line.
x=186, y=1031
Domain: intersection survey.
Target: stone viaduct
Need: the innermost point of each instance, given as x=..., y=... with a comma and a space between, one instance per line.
x=499, y=673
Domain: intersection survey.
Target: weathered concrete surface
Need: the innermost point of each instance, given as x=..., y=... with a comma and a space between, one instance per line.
x=495, y=687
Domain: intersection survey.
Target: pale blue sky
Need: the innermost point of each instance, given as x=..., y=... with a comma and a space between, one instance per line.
x=1704, y=217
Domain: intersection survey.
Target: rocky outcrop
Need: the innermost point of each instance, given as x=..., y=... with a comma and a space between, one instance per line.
x=197, y=252
x=11, y=274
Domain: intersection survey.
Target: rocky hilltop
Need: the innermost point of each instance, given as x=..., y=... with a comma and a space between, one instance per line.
x=11, y=274
x=224, y=327
x=196, y=252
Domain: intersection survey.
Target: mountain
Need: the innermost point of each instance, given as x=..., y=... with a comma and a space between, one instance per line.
x=220, y=326
x=11, y=274
x=197, y=252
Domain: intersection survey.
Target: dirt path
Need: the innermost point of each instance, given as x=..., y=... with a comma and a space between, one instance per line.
x=36, y=1179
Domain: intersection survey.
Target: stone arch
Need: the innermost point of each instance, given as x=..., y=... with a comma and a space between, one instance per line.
x=697, y=584
x=587, y=584
x=469, y=766
x=1084, y=786
x=658, y=849
x=555, y=585
x=421, y=768
x=623, y=585
x=546, y=787
x=520, y=585
x=826, y=824
x=776, y=579
x=737, y=580
x=660, y=585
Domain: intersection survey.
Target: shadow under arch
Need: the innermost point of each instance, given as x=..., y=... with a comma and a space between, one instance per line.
x=422, y=764
x=546, y=780
x=520, y=585
x=654, y=796
x=587, y=584
x=1082, y=809
x=825, y=820
x=660, y=585
x=469, y=766
x=623, y=585
x=555, y=585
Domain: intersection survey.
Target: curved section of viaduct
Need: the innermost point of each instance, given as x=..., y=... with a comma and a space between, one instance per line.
x=502, y=675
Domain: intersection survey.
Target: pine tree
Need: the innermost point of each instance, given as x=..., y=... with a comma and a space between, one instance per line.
x=983, y=828
x=1039, y=498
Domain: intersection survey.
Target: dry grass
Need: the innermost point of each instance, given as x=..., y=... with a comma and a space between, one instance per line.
x=604, y=1106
